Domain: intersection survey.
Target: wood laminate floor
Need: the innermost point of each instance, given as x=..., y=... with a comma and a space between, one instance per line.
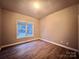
x=37, y=50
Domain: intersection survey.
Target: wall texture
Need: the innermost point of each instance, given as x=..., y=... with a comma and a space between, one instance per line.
x=9, y=27
x=61, y=27
x=0, y=26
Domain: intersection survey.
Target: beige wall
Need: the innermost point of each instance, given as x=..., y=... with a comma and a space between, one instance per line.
x=61, y=27
x=9, y=26
x=0, y=26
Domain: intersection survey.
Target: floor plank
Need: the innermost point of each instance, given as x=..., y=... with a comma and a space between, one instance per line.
x=37, y=50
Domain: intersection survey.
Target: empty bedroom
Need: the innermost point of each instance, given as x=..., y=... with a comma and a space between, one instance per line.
x=39, y=29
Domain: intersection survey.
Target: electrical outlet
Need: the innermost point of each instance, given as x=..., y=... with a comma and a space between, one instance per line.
x=67, y=43
x=64, y=43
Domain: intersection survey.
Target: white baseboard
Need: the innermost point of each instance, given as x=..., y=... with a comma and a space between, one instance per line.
x=4, y=46
x=61, y=45
x=43, y=40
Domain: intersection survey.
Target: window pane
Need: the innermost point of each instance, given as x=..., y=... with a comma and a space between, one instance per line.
x=21, y=29
x=30, y=29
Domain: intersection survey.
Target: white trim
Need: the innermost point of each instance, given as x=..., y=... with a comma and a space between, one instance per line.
x=26, y=28
x=43, y=40
x=15, y=44
x=61, y=45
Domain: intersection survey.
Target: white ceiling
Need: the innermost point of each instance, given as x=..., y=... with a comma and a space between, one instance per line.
x=26, y=6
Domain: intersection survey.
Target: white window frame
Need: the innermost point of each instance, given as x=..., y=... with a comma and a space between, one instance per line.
x=26, y=29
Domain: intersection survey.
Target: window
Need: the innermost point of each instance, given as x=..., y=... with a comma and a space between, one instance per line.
x=24, y=29
x=29, y=29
